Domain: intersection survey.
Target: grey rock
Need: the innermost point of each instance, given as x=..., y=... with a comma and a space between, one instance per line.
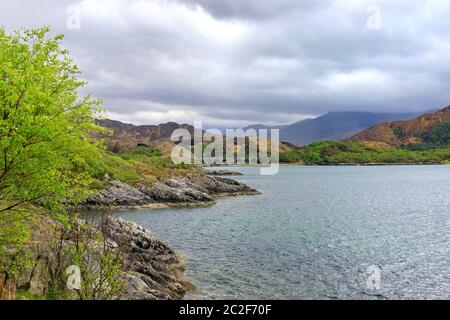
x=119, y=194
x=153, y=269
x=189, y=189
x=136, y=284
x=222, y=172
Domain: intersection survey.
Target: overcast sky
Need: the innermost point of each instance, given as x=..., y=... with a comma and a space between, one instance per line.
x=235, y=62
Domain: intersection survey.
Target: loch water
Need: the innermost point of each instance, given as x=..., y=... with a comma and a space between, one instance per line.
x=333, y=232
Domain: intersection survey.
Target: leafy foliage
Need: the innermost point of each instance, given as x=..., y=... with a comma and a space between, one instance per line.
x=439, y=134
x=399, y=133
x=436, y=137
x=334, y=152
x=291, y=156
x=87, y=247
x=45, y=135
x=44, y=127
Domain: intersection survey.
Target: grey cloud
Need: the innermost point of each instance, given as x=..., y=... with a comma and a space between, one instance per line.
x=235, y=62
x=254, y=9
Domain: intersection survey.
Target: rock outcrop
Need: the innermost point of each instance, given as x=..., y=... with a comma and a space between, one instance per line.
x=222, y=172
x=152, y=270
x=189, y=190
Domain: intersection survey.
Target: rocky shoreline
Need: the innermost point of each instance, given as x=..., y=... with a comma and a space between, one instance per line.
x=150, y=269
x=153, y=269
x=222, y=172
x=180, y=191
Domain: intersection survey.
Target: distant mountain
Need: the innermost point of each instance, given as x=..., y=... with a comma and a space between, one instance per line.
x=333, y=126
x=410, y=132
x=126, y=137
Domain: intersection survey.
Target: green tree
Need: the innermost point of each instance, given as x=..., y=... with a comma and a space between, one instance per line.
x=45, y=135
x=399, y=133
x=44, y=127
x=440, y=134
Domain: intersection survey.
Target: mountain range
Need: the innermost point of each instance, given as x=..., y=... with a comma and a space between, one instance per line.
x=332, y=126
x=357, y=126
x=125, y=137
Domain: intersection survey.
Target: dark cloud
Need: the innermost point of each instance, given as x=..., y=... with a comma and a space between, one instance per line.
x=254, y=9
x=236, y=62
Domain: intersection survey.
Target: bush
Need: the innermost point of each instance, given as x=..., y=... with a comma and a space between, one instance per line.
x=330, y=152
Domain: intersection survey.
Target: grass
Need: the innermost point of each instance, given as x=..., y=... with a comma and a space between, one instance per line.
x=143, y=164
x=23, y=294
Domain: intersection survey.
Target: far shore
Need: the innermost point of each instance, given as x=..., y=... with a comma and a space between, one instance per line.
x=325, y=165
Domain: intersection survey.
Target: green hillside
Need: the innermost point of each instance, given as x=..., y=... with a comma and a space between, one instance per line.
x=435, y=149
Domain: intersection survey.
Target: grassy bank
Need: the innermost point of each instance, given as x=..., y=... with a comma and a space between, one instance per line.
x=141, y=164
x=333, y=152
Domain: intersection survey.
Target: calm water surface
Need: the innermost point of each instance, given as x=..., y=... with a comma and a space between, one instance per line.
x=313, y=233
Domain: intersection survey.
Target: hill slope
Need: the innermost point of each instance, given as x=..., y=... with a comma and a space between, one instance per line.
x=125, y=137
x=400, y=133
